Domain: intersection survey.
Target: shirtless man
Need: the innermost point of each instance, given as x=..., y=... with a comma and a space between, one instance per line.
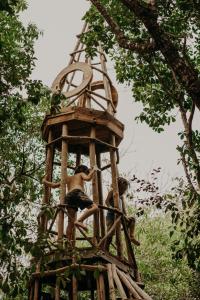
x=76, y=198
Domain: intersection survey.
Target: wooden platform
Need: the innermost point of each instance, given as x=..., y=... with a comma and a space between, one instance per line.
x=79, y=121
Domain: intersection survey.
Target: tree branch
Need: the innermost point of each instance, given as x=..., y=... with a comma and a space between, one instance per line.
x=122, y=40
x=186, y=74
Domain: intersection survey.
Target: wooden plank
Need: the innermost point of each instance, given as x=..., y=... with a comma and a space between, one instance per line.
x=111, y=283
x=118, y=283
x=128, y=285
x=64, y=158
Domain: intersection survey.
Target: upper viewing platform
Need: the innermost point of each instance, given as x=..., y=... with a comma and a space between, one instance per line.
x=88, y=99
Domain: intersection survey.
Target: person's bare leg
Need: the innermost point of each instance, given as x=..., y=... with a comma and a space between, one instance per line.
x=90, y=210
x=70, y=226
x=132, y=231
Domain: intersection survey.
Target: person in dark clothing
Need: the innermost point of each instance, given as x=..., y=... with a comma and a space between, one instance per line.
x=110, y=217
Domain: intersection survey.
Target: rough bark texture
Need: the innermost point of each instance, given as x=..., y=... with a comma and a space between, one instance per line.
x=147, y=14
x=187, y=75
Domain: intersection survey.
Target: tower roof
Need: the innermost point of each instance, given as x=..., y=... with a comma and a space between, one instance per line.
x=85, y=81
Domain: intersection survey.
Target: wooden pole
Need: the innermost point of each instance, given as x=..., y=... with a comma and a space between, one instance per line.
x=57, y=292
x=94, y=183
x=48, y=174
x=100, y=190
x=37, y=284
x=128, y=285
x=31, y=292
x=74, y=288
x=142, y=293
x=130, y=251
x=100, y=287
x=110, y=232
x=105, y=81
x=118, y=283
x=64, y=158
x=111, y=283
x=115, y=195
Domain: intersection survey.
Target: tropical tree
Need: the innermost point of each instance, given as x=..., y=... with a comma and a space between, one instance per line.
x=22, y=102
x=155, y=49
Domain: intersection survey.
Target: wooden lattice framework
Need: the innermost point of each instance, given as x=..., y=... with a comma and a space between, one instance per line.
x=85, y=126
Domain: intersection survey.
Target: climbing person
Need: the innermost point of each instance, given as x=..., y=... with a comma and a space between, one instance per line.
x=110, y=217
x=76, y=197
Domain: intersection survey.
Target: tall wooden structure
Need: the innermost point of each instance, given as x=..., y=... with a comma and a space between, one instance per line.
x=84, y=128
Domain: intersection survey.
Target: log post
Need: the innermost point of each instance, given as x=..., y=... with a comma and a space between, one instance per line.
x=74, y=288
x=94, y=183
x=37, y=284
x=128, y=285
x=115, y=195
x=106, y=82
x=100, y=190
x=111, y=283
x=64, y=158
x=118, y=283
x=48, y=174
x=57, y=291
x=100, y=287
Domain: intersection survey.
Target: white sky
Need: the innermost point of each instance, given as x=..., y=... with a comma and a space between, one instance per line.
x=60, y=21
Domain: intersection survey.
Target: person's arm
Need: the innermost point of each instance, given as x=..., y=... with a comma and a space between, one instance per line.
x=90, y=175
x=108, y=198
x=51, y=184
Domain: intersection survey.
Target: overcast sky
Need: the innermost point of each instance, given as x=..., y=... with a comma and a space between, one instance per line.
x=141, y=149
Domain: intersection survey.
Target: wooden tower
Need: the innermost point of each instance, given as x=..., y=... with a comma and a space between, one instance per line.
x=83, y=128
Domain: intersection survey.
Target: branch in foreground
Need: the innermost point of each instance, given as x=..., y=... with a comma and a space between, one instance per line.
x=122, y=40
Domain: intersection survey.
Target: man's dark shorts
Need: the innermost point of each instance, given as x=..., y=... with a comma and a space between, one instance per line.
x=78, y=199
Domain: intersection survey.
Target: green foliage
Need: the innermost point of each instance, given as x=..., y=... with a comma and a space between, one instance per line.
x=22, y=154
x=164, y=277
x=156, y=84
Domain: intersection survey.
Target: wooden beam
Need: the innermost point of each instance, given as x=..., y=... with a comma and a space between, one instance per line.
x=57, y=291
x=94, y=183
x=74, y=288
x=116, y=196
x=100, y=287
x=130, y=251
x=111, y=283
x=91, y=268
x=64, y=158
x=106, y=81
x=141, y=292
x=128, y=285
x=100, y=190
x=118, y=283
x=110, y=232
x=48, y=174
